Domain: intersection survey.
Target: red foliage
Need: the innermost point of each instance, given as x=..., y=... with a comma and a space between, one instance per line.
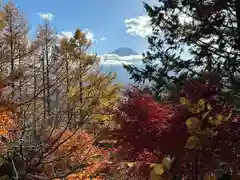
x=149, y=130
x=209, y=88
x=224, y=147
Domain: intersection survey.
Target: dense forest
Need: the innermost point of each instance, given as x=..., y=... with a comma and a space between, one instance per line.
x=61, y=118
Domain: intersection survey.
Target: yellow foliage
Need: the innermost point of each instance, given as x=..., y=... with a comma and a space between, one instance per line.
x=2, y=23
x=72, y=91
x=208, y=176
x=198, y=124
x=201, y=102
x=158, y=169
x=215, y=121
x=184, y=101
x=99, y=93
x=154, y=176
x=156, y=172
x=195, y=109
x=193, y=123
x=130, y=164
x=193, y=142
x=92, y=94
x=219, y=117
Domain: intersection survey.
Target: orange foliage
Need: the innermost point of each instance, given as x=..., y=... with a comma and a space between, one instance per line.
x=76, y=150
x=64, y=149
x=7, y=127
x=7, y=123
x=6, y=119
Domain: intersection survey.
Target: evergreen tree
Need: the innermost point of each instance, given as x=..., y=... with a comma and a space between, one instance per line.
x=190, y=37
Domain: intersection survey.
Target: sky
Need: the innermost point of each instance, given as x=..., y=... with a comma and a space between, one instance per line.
x=109, y=23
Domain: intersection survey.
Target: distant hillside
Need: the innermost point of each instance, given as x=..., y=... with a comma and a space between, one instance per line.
x=124, y=51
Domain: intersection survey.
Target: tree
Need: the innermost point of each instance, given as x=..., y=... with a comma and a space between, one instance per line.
x=193, y=135
x=190, y=37
x=44, y=96
x=33, y=154
x=91, y=93
x=73, y=155
x=14, y=35
x=208, y=111
x=148, y=130
x=46, y=38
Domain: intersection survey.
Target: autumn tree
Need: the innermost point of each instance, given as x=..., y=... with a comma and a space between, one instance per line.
x=46, y=38
x=61, y=88
x=86, y=87
x=187, y=140
x=148, y=131
x=76, y=155
x=14, y=37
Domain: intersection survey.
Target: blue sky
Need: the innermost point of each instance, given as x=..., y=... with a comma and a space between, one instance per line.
x=116, y=21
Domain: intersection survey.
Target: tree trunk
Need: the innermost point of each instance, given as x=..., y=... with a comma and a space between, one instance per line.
x=48, y=83
x=195, y=166
x=11, y=53
x=81, y=92
x=67, y=88
x=34, y=129
x=43, y=85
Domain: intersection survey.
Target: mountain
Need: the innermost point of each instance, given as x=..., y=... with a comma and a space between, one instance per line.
x=124, y=51
x=122, y=74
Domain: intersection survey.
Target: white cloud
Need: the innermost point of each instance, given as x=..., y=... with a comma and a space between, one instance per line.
x=89, y=35
x=139, y=26
x=115, y=59
x=152, y=2
x=46, y=16
x=102, y=38
x=66, y=34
